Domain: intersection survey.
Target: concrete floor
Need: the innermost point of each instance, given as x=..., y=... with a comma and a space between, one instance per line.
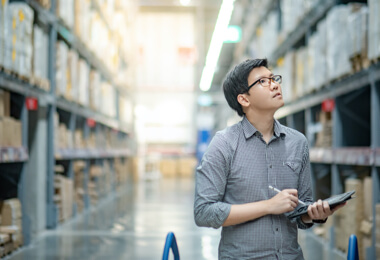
x=133, y=224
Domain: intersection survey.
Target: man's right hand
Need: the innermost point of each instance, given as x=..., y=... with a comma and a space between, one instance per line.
x=285, y=201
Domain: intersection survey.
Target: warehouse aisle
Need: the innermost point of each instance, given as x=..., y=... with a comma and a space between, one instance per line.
x=131, y=225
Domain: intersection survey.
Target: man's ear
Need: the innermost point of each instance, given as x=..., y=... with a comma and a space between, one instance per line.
x=243, y=100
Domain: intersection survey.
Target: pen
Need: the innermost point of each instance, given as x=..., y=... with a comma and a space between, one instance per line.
x=277, y=190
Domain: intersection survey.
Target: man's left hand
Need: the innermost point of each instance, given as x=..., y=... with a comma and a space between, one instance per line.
x=319, y=210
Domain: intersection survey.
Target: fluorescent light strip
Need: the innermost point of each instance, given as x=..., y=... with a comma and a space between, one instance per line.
x=216, y=44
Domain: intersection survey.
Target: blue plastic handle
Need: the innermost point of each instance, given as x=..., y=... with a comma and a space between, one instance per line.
x=170, y=242
x=353, y=253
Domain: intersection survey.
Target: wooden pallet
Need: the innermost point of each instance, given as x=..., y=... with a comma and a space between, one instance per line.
x=40, y=83
x=375, y=61
x=359, y=62
x=45, y=3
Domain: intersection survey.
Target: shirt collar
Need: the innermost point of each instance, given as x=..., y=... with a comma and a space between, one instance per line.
x=250, y=130
x=278, y=129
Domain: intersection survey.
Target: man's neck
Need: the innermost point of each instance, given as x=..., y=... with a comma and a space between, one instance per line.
x=263, y=122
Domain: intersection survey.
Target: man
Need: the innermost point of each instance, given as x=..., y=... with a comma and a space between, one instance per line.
x=243, y=160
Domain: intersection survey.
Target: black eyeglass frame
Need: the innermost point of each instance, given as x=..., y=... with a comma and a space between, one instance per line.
x=271, y=78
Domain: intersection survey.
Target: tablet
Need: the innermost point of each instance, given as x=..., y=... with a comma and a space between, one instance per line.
x=333, y=202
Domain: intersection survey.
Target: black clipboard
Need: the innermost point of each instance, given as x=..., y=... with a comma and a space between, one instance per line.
x=333, y=202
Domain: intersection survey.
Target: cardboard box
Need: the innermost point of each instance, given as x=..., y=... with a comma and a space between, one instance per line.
x=11, y=212
x=5, y=103
x=1, y=132
x=168, y=167
x=186, y=166
x=367, y=192
x=8, y=124
x=16, y=139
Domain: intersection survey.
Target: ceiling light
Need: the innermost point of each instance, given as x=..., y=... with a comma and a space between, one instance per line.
x=216, y=44
x=184, y=2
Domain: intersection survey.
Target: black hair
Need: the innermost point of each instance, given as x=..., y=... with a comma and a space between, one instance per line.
x=236, y=82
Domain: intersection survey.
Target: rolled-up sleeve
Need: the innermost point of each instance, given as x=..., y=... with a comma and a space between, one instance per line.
x=211, y=179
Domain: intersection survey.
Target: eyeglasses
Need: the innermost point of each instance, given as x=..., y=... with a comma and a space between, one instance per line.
x=266, y=81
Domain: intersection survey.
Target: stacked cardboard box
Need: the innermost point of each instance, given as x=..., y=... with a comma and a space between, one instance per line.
x=79, y=167
x=377, y=245
x=11, y=220
x=350, y=217
x=186, y=166
x=64, y=196
x=367, y=222
x=123, y=169
x=96, y=187
x=168, y=167
x=109, y=178
x=6, y=245
x=324, y=137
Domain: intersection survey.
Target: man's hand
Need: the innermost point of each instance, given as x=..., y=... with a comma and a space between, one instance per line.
x=319, y=210
x=285, y=201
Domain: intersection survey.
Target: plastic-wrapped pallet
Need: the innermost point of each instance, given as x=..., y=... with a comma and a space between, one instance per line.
x=94, y=89
x=373, y=29
x=82, y=17
x=269, y=36
x=108, y=99
x=293, y=11
x=72, y=92
x=320, y=59
x=65, y=10
x=40, y=53
x=3, y=20
x=18, y=38
x=25, y=34
x=84, y=76
x=61, y=67
x=357, y=24
x=301, y=73
x=338, y=43
x=310, y=62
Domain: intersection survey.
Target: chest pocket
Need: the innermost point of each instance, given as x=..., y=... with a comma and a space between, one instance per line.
x=291, y=172
x=295, y=165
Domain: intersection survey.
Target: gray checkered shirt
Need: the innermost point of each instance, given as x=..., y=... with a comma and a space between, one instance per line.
x=237, y=168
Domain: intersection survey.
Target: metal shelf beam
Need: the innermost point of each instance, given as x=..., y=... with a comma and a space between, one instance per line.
x=69, y=154
x=332, y=90
x=346, y=156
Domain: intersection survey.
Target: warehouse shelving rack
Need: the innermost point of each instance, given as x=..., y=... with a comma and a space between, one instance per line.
x=18, y=164
x=355, y=145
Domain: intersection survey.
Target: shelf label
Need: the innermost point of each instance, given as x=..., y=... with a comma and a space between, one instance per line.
x=91, y=122
x=31, y=103
x=328, y=105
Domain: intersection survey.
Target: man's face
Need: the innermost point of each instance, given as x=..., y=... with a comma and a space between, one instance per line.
x=261, y=97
